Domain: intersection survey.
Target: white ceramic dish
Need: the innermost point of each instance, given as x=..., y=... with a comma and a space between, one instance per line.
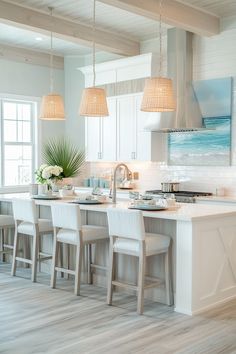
x=89, y=201
x=147, y=207
x=46, y=197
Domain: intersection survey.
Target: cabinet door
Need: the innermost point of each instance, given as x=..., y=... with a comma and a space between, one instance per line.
x=93, y=138
x=143, y=140
x=108, y=139
x=126, y=128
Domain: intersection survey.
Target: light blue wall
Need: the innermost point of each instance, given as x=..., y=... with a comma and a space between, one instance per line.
x=32, y=80
x=74, y=85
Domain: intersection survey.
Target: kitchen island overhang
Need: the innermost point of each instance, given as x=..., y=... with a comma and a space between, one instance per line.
x=204, y=248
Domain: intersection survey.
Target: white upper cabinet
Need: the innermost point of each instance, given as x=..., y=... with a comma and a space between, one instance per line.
x=108, y=133
x=100, y=135
x=150, y=146
x=126, y=132
x=92, y=138
x=122, y=135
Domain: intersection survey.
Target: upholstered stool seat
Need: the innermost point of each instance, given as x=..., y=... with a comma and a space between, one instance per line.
x=89, y=234
x=155, y=243
x=6, y=221
x=27, y=228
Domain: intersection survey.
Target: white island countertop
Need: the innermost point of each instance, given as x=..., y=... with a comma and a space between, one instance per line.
x=185, y=211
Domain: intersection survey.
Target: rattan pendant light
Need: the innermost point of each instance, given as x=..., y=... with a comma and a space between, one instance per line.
x=158, y=93
x=52, y=106
x=94, y=102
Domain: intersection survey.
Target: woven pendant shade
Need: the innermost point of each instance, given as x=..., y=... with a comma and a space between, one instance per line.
x=52, y=107
x=93, y=103
x=158, y=95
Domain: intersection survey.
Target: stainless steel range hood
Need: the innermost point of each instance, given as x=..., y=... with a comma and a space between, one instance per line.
x=187, y=117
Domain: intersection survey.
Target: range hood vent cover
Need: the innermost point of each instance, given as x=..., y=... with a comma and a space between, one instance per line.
x=188, y=115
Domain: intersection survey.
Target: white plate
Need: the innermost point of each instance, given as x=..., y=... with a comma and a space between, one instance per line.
x=45, y=197
x=147, y=207
x=84, y=201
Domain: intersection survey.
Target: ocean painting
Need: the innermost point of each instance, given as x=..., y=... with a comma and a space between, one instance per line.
x=207, y=147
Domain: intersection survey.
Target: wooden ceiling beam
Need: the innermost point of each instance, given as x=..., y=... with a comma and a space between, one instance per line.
x=67, y=30
x=30, y=56
x=175, y=13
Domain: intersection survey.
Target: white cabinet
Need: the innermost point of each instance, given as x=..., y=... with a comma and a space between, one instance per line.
x=126, y=124
x=93, y=127
x=134, y=143
x=101, y=135
x=122, y=135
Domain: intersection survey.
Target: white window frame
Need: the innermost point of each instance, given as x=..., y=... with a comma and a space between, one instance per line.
x=36, y=127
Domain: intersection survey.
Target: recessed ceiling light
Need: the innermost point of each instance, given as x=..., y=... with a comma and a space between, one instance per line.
x=38, y=38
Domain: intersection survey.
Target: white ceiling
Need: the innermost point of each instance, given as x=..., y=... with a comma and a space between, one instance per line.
x=22, y=38
x=108, y=18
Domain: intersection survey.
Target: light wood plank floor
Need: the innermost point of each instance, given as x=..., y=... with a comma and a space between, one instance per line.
x=36, y=319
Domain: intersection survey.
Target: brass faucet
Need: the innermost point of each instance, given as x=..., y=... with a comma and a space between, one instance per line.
x=114, y=179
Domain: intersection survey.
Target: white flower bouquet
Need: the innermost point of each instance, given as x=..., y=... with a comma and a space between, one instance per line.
x=46, y=174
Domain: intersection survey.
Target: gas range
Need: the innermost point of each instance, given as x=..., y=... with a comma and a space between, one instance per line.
x=181, y=196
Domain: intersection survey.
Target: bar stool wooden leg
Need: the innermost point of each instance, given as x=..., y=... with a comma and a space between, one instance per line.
x=141, y=276
x=1, y=245
x=39, y=257
x=169, y=295
x=111, y=272
x=67, y=260
x=26, y=250
x=79, y=250
x=54, y=262
x=35, y=257
x=61, y=251
x=89, y=261
x=16, y=241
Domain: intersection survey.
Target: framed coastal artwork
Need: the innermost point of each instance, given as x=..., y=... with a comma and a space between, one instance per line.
x=209, y=147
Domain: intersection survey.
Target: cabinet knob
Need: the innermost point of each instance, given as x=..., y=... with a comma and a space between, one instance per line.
x=99, y=155
x=133, y=155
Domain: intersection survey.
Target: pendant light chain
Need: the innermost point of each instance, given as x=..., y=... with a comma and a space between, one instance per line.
x=160, y=38
x=94, y=102
x=52, y=106
x=51, y=54
x=158, y=93
x=94, y=49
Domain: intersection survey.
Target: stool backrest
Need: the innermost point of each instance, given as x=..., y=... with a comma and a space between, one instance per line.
x=25, y=210
x=126, y=223
x=66, y=216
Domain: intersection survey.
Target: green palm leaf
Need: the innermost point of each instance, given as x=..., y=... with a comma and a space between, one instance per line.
x=61, y=152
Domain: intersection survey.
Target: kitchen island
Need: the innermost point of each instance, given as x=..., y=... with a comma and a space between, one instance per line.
x=204, y=248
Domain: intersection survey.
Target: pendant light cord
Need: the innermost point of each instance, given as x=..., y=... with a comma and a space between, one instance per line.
x=94, y=49
x=160, y=37
x=51, y=54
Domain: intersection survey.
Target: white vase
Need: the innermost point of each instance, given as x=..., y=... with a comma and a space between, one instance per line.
x=43, y=189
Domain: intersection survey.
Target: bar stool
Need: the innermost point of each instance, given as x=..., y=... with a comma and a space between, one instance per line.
x=127, y=236
x=28, y=224
x=68, y=229
x=6, y=223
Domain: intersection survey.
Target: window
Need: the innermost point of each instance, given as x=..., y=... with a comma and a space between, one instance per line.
x=17, y=142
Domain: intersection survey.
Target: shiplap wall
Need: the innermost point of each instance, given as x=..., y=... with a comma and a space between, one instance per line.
x=213, y=57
